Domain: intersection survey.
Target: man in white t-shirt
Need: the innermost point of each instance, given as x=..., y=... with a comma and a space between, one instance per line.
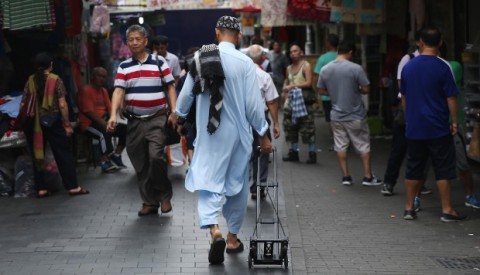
x=404, y=61
x=159, y=46
x=399, y=143
x=270, y=98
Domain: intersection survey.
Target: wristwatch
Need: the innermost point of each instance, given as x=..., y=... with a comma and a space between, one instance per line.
x=181, y=120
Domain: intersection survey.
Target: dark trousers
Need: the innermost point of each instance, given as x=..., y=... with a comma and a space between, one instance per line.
x=397, y=154
x=264, y=158
x=99, y=132
x=145, y=148
x=62, y=152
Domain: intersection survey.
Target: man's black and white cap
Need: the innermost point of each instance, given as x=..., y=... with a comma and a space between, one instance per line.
x=228, y=22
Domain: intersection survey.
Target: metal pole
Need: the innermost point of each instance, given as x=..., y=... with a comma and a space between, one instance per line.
x=308, y=43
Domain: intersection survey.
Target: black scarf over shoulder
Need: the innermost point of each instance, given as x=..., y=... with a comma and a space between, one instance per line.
x=207, y=72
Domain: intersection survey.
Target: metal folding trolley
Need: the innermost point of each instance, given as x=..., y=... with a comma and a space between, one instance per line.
x=266, y=249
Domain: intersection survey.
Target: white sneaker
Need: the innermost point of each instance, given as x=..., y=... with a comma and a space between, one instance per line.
x=347, y=180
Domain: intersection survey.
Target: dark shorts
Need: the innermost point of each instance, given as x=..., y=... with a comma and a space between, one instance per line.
x=441, y=152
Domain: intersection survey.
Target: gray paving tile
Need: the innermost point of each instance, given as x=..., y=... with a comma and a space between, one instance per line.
x=332, y=229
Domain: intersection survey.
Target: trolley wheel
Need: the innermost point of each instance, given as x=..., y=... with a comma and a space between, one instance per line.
x=284, y=255
x=250, y=261
x=285, y=261
x=253, y=251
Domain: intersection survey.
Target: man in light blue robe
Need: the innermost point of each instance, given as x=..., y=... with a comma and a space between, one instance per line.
x=220, y=162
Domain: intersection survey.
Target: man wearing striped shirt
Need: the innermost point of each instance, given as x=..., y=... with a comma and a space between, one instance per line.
x=139, y=88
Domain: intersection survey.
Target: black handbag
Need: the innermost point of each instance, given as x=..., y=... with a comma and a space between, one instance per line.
x=49, y=119
x=171, y=135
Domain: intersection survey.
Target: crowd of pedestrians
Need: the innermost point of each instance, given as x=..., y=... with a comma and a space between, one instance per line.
x=234, y=98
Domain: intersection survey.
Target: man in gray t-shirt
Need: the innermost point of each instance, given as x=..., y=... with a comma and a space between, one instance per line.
x=345, y=82
x=343, y=79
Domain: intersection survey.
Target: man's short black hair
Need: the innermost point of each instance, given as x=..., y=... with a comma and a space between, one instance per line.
x=160, y=40
x=431, y=36
x=333, y=40
x=346, y=47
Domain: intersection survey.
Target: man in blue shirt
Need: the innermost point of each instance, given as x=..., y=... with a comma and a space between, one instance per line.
x=429, y=98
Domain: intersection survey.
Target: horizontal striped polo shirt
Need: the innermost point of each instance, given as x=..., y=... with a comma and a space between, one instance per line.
x=143, y=82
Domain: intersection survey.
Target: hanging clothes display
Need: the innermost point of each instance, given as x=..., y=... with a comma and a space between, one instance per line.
x=53, y=18
x=274, y=13
x=316, y=10
x=100, y=20
x=73, y=13
x=18, y=15
x=85, y=16
x=120, y=50
x=1, y=14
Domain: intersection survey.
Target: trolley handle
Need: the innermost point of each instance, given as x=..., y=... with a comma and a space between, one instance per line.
x=259, y=149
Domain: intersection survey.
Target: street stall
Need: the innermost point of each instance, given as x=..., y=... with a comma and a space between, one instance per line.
x=53, y=26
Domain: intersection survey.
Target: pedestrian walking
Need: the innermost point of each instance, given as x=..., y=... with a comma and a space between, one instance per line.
x=48, y=121
x=139, y=86
x=270, y=99
x=160, y=47
x=222, y=83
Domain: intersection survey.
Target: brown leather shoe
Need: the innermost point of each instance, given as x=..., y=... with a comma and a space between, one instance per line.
x=166, y=206
x=148, y=210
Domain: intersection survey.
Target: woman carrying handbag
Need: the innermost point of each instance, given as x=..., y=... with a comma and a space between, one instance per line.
x=44, y=117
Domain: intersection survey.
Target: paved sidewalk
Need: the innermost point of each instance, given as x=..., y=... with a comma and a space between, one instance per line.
x=335, y=229
x=332, y=229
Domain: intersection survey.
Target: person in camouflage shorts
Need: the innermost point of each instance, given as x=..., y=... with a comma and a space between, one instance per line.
x=305, y=127
x=299, y=75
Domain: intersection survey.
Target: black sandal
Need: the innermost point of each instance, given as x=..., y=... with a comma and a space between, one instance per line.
x=238, y=249
x=79, y=192
x=217, y=248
